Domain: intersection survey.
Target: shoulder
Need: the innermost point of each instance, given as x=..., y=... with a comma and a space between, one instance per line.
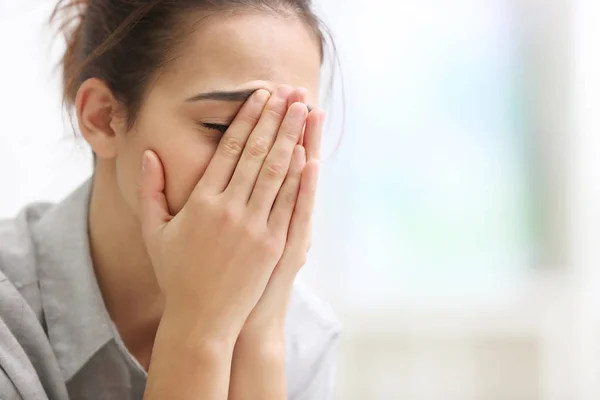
x=312, y=332
x=27, y=358
x=17, y=247
x=18, y=253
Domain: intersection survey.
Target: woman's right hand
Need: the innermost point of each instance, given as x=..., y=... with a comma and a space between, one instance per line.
x=213, y=259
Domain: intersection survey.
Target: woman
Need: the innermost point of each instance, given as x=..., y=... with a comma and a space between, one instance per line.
x=178, y=257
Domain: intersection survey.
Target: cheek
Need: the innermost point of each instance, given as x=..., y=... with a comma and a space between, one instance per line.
x=183, y=152
x=184, y=163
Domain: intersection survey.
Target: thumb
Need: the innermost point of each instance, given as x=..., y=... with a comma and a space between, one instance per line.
x=154, y=212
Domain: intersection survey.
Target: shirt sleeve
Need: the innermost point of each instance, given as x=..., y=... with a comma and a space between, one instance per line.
x=18, y=378
x=321, y=385
x=8, y=390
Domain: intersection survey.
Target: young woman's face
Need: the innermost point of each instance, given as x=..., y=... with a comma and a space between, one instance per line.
x=236, y=54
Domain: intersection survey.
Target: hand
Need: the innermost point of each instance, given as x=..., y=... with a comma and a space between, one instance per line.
x=266, y=321
x=258, y=369
x=214, y=258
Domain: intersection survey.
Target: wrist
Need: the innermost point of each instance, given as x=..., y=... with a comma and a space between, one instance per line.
x=261, y=327
x=188, y=361
x=254, y=333
x=267, y=318
x=258, y=366
x=266, y=348
x=189, y=328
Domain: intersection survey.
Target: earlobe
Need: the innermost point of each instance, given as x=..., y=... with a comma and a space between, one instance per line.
x=97, y=111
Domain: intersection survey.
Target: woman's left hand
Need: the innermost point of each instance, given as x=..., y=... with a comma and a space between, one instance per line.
x=270, y=312
x=259, y=353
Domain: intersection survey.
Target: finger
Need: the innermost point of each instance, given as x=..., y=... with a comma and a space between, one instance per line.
x=301, y=222
x=259, y=144
x=300, y=229
x=313, y=134
x=277, y=163
x=279, y=219
x=221, y=167
x=153, y=203
x=300, y=95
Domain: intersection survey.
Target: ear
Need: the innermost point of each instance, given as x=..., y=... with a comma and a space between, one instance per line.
x=101, y=117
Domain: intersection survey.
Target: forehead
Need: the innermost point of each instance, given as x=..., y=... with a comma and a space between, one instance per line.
x=247, y=51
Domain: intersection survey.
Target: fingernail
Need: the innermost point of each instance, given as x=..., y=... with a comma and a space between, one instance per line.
x=299, y=111
x=261, y=96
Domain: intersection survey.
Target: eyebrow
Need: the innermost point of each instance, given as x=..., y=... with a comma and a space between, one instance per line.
x=241, y=95
x=233, y=96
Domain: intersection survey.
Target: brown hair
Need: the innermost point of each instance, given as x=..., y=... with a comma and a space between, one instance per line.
x=126, y=42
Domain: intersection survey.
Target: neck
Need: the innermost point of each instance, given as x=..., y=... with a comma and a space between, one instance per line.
x=122, y=265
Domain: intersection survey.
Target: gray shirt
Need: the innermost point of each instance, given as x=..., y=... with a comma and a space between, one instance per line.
x=57, y=341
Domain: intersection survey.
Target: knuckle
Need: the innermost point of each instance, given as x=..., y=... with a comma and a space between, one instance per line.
x=200, y=201
x=275, y=112
x=272, y=247
x=230, y=215
x=290, y=132
x=258, y=148
x=260, y=238
x=248, y=119
x=254, y=234
x=231, y=146
x=275, y=170
x=289, y=198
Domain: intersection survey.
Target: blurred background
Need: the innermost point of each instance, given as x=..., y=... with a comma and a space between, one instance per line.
x=457, y=235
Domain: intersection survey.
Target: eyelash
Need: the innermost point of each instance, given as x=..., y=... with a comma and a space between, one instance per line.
x=217, y=127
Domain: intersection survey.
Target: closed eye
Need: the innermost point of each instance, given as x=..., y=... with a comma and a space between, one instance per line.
x=217, y=127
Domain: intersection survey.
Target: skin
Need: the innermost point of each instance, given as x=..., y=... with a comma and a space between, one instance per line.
x=196, y=252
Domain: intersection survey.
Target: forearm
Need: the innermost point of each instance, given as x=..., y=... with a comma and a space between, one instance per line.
x=187, y=363
x=258, y=369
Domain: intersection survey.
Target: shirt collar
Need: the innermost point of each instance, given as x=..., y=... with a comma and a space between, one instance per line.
x=76, y=317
